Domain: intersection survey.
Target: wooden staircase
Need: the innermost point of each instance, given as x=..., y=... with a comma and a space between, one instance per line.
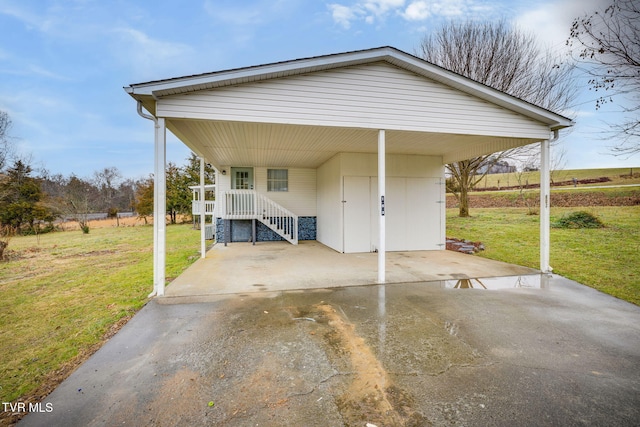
x=248, y=204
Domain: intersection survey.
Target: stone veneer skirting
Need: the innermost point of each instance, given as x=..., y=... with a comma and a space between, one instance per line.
x=239, y=230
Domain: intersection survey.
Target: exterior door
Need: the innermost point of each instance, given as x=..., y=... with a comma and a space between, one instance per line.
x=242, y=178
x=357, y=214
x=412, y=209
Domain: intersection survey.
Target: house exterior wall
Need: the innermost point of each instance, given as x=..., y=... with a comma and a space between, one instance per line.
x=373, y=96
x=415, y=187
x=301, y=197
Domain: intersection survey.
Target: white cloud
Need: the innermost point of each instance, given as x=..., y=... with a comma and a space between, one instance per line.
x=379, y=8
x=369, y=11
x=551, y=21
x=29, y=19
x=247, y=15
x=452, y=7
x=343, y=15
x=152, y=58
x=372, y=11
x=39, y=71
x=417, y=11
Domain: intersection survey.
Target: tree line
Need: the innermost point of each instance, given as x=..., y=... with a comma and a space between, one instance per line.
x=33, y=201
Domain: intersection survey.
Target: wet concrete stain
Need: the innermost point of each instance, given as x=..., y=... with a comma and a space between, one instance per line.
x=281, y=364
x=316, y=354
x=411, y=355
x=370, y=397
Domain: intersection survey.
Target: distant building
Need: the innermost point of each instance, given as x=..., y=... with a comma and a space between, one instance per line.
x=501, y=166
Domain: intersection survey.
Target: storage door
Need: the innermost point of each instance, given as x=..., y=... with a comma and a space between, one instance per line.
x=356, y=207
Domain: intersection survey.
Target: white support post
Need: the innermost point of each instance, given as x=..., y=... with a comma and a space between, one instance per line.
x=545, y=196
x=203, y=216
x=159, y=207
x=382, y=255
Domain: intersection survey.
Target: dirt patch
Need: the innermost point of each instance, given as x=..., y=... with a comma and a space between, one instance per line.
x=184, y=384
x=370, y=397
x=558, y=199
x=130, y=221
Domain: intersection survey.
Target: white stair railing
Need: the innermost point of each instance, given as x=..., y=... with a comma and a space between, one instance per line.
x=209, y=206
x=247, y=204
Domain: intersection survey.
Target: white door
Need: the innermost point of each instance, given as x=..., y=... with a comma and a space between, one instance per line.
x=242, y=178
x=424, y=218
x=356, y=205
x=412, y=210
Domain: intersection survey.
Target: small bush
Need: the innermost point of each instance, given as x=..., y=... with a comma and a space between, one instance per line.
x=580, y=219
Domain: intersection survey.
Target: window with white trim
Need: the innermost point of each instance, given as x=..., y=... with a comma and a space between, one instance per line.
x=277, y=180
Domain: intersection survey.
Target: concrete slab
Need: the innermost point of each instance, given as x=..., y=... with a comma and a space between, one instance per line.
x=277, y=266
x=391, y=355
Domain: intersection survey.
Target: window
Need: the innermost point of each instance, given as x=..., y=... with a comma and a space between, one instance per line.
x=277, y=180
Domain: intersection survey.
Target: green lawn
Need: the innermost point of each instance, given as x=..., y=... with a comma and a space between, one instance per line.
x=512, y=179
x=606, y=259
x=61, y=292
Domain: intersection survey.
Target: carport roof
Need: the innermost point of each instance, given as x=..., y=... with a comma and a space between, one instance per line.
x=216, y=79
x=218, y=141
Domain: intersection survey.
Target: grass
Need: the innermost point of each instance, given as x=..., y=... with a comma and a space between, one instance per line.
x=62, y=292
x=605, y=195
x=511, y=179
x=604, y=258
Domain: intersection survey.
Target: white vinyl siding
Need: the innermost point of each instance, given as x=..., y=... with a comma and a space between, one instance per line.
x=374, y=96
x=301, y=195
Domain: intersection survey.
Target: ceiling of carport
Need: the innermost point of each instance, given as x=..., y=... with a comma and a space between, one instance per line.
x=225, y=143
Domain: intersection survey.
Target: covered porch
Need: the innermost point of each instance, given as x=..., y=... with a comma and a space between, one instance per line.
x=242, y=268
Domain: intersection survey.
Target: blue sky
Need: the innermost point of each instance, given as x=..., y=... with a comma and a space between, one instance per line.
x=63, y=64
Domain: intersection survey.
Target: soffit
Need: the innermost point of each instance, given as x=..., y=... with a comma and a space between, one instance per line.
x=280, y=145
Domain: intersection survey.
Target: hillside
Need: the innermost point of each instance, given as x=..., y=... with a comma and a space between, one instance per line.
x=615, y=176
x=559, y=198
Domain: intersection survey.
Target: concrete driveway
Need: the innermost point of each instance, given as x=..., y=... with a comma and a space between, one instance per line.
x=414, y=354
x=278, y=266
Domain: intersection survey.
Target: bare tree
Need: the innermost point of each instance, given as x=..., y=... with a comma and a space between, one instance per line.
x=6, y=147
x=106, y=181
x=78, y=201
x=608, y=43
x=500, y=56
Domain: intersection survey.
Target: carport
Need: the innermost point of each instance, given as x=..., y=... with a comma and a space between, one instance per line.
x=279, y=266
x=304, y=112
